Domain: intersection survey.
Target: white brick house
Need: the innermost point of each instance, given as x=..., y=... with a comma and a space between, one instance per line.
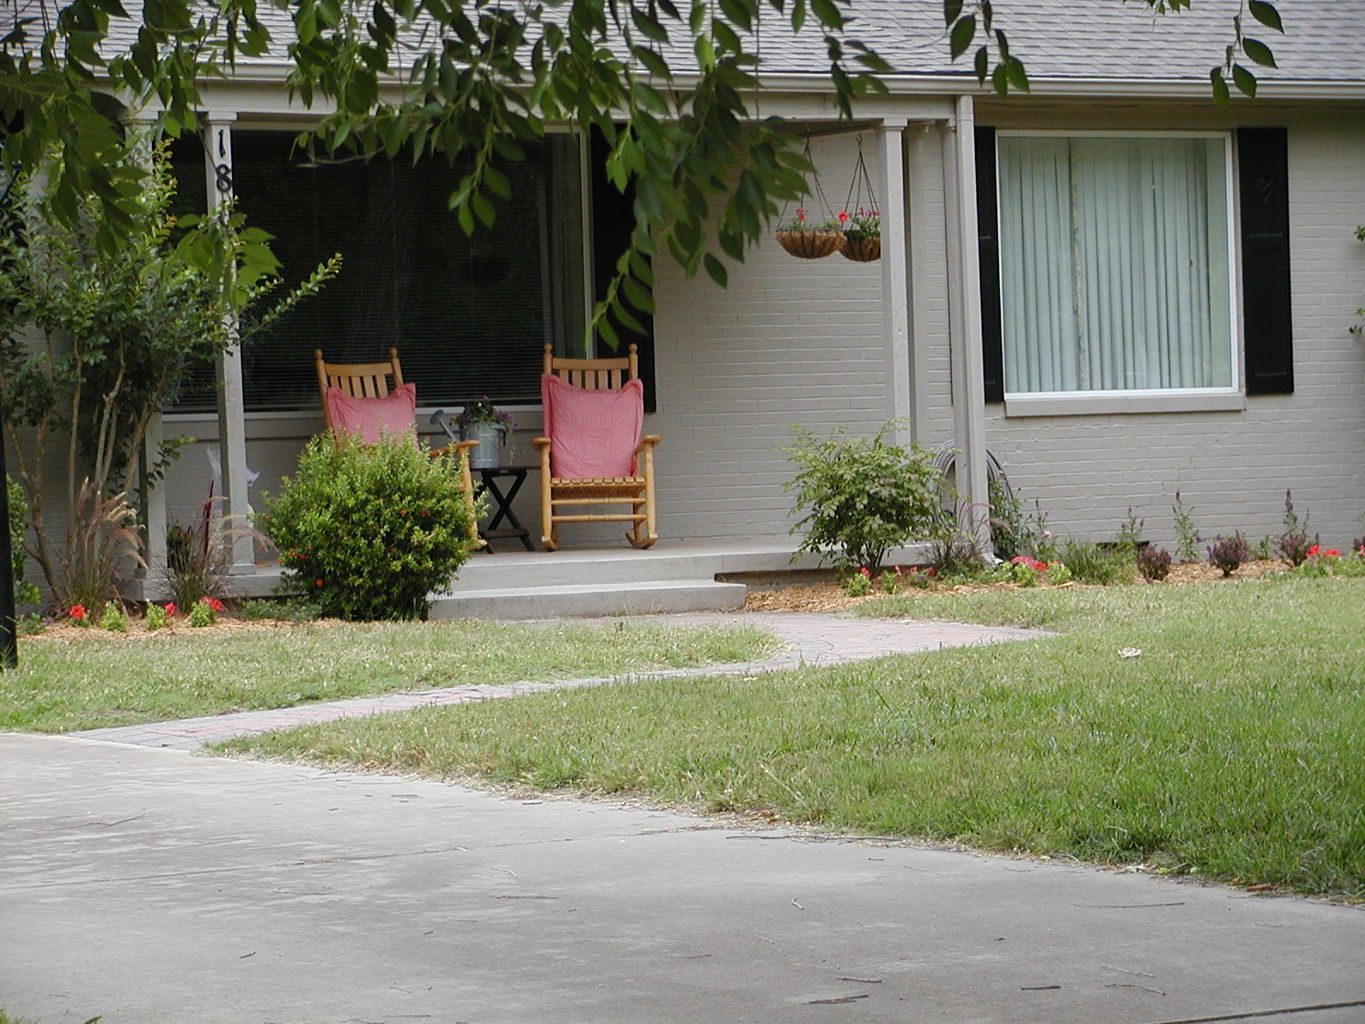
x=819, y=343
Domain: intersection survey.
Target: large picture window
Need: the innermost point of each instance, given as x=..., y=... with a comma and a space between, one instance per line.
x=469, y=315
x=1115, y=266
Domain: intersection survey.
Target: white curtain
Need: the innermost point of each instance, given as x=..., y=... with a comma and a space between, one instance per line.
x=1113, y=263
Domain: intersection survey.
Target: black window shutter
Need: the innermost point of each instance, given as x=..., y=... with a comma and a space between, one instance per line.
x=1267, y=325
x=613, y=220
x=988, y=249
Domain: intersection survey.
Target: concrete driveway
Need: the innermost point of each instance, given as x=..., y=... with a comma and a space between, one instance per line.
x=153, y=886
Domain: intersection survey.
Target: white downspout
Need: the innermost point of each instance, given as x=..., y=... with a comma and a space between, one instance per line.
x=895, y=280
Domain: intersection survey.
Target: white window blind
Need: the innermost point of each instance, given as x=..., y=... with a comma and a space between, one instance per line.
x=1114, y=265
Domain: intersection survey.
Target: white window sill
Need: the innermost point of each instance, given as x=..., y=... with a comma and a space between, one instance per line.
x=1100, y=405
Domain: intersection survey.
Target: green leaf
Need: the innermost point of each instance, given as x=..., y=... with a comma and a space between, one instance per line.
x=715, y=269
x=1018, y=77
x=1244, y=80
x=982, y=64
x=962, y=35
x=1259, y=52
x=952, y=10
x=648, y=25
x=1265, y=12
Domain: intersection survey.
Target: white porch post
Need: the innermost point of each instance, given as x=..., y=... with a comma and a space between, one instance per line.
x=151, y=496
x=231, y=406
x=964, y=318
x=895, y=280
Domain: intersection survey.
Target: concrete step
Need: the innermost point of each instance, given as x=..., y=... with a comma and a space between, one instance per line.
x=638, y=598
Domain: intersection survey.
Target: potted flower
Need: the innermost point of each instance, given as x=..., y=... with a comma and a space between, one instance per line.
x=808, y=240
x=862, y=240
x=481, y=421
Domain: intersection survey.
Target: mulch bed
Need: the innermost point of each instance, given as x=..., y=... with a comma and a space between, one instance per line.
x=828, y=596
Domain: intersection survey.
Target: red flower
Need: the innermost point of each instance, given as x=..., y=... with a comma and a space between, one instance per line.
x=1313, y=551
x=77, y=612
x=1332, y=553
x=865, y=571
x=843, y=216
x=169, y=608
x=318, y=582
x=213, y=603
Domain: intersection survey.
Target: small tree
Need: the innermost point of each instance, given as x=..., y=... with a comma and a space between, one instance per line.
x=94, y=343
x=862, y=496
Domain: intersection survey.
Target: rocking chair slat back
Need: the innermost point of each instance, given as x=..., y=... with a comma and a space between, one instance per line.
x=359, y=380
x=594, y=374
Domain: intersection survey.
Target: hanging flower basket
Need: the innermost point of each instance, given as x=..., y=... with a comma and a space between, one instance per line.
x=862, y=250
x=812, y=243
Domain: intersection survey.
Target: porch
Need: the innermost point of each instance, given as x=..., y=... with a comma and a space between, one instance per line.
x=672, y=576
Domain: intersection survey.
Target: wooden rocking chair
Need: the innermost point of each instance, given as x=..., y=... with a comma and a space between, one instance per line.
x=594, y=454
x=378, y=385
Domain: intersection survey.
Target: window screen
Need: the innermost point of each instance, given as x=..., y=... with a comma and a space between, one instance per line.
x=469, y=315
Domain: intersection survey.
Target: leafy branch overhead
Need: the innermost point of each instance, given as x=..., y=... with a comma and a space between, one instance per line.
x=670, y=84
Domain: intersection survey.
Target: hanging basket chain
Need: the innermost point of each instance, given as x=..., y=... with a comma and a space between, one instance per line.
x=862, y=239
x=809, y=240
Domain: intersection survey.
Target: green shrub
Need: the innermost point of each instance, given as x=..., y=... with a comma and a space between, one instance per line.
x=24, y=592
x=369, y=531
x=1090, y=563
x=862, y=496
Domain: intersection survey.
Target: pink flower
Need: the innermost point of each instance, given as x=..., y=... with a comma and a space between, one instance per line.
x=865, y=571
x=169, y=608
x=77, y=612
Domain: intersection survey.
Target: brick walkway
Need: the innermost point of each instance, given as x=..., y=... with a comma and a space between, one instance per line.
x=808, y=640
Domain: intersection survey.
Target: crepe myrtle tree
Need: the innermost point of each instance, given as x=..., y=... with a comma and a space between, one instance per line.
x=478, y=78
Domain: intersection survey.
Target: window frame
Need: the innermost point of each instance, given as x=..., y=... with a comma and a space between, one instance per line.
x=1139, y=400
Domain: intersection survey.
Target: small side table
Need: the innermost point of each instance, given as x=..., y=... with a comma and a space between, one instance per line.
x=502, y=504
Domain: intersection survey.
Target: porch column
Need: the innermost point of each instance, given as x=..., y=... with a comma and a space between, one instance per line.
x=231, y=408
x=895, y=280
x=151, y=494
x=964, y=319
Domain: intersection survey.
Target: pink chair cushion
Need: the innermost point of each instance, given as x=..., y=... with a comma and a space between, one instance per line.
x=394, y=414
x=592, y=433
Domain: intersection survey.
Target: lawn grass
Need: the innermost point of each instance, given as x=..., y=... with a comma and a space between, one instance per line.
x=104, y=679
x=1232, y=746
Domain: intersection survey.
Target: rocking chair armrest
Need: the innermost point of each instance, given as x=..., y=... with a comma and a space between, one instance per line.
x=648, y=441
x=540, y=444
x=459, y=449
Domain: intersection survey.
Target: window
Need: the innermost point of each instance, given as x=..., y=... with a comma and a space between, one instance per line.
x=469, y=315
x=1115, y=264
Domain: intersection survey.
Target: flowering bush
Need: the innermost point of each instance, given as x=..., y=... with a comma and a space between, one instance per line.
x=369, y=531
x=863, y=224
x=112, y=618
x=1153, y=562
x=1293, y=543
x=1024, y=570
x=205, y=611
x=858, y=584
x=801, y=223
x=482, y=410
x=1227, y=553
x=158, y=616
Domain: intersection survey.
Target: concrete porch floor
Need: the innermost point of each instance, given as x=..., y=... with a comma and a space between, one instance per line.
x=672, y=576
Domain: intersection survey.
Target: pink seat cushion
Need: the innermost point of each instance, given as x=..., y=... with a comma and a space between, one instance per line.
x=592, y=433
x=394, y=414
